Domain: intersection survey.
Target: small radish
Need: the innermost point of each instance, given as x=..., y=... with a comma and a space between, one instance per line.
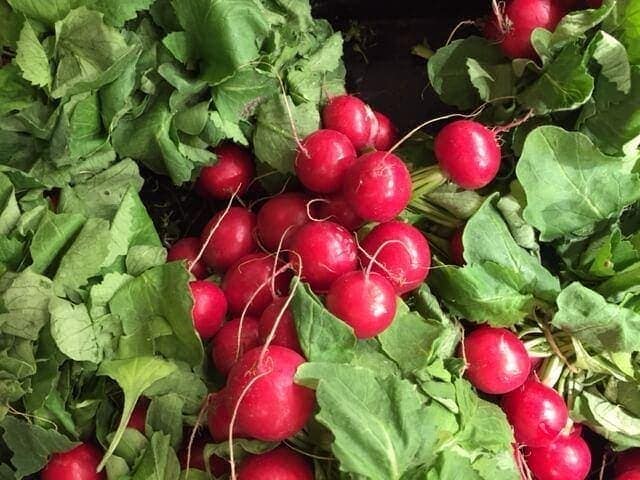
x=224, y=346
x=249, y=281
x=497, y=360
x=232, y=173
x=400, y=252
x=323, y=159
x=352, y=117
x=628, y=460
x=337, y=210
x=270, y=405
x=594, y=3
x=219, y=418
x=209, y=308
x=218, y=466
x=279, y=464
x=286, y=334
x=520, y=18
x=233, y=239
x=280, y=217
x=456, y=247
x=187, y=249
x=468, y=153
x=567, y=458
x=323, y=251
x=536, y=412
x=79, y=463
x=138, y=417
x=386, y=134
x=630, y=475
x=366, y=301
x=378, y=186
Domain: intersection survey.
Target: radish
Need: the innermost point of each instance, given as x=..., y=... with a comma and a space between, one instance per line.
x=231, y=240
x=138, y=418
x=468, y=153
x=536, y=412
x=187, y=249
x=567, y=458
x=224, y=346
x=279, y=464
x=323, y=159
x=497, y=360
x=322, y=251
x=366, y=301
x=352, y=117
x=594, y=3
x=280, y=217
x=209, y=308
x=231, y=174
x=248, y=283
x=79, y=463
x=386, y=135
x=399, y=252
x=378, y=186
x=219, y=417
x=337, y=210
x=520, y=18
x=456, y=247
x=628, y=460
x=270, y=405
x=286, y=334
x=630, y=475
x=218, y=466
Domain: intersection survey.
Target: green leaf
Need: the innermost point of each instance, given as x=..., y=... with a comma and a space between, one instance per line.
x=31, y=445
x=600, y=326
x=53, y=235
x=134, y=376
x=449, y=74
x=32, y=59
x=26, y=301
x=143, y=257
x=238, y=27
x=487, y=238
x=323, y=337
x=9, y=209
x=165, y=415
x=629, y=29
x=46, y=12
x=380, y=426
x=238, y=97
x=613, y=59
x=187, y=385
x=492, y=81
x=15, y=93
x=10, y=25
x=565, y=84
x=574, y=25
x=159, y=461
x=116, y=13
x=276, y=135
x=179, y=46
x=570, y=185
x=161, y=294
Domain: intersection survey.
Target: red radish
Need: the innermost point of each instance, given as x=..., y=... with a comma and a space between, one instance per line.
x=519, y=20
x=351, y=116
x=594, y=3
x=378, y=186
x=400, y=253
x=280, y=217
x=628, y=460
x=232, y=173
x=224, y=346
x=365, y=301
x=386, y=135
x=326, y=251
x=468, y=153
x=273, y=407
x=569, y=5
x=497, y=360
x=79, y=463
x=279, y=464
x=456, y=247
x=566, y=458
x=338, y=210
x=209, y=308
x=218, y=466
x=536, y=412
x=286, y=334
x=232, y=239
x=219, y=418
x=187, y=249
x=247, y=284
x=630, y=475
x=138, y=417
x=323, y=159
